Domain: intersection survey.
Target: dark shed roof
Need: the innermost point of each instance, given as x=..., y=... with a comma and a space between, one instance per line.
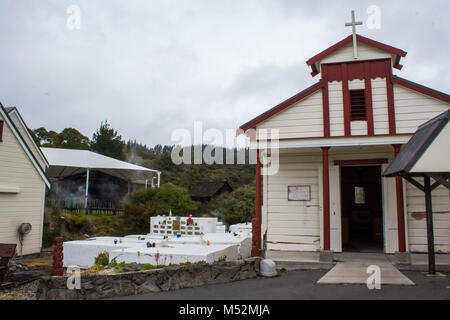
x=417, y=145
x=207, y=189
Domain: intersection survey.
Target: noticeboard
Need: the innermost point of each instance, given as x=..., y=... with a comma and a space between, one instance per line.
x=299, y=193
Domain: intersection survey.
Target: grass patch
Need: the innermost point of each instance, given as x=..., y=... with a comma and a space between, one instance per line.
x=98, y=267
x=118, y=267
x=149, y=266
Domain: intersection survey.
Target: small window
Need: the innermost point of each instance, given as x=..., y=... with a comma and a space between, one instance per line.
x=360, y=195
x=1, y=130
x=358, y=105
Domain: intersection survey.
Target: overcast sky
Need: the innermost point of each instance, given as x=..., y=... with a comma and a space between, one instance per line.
x=152, y=66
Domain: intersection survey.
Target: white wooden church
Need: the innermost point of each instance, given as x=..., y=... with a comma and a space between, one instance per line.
x=335, y=140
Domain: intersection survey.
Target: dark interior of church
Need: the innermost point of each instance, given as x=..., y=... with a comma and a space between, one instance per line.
x=362, y=210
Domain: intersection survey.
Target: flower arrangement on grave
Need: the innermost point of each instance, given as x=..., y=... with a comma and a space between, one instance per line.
x=189, y=221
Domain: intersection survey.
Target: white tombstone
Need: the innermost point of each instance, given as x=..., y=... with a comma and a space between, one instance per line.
x=162, y=225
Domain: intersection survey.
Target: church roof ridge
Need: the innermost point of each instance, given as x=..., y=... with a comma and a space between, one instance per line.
x=382, y=46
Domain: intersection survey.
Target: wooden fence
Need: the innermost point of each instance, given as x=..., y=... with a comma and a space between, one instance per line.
x=78, y=204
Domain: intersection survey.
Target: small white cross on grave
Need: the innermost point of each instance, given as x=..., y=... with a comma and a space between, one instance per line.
x=353, y=24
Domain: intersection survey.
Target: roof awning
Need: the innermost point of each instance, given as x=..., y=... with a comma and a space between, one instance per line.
x=426, y=155
x=69, y=162
x=427, y=152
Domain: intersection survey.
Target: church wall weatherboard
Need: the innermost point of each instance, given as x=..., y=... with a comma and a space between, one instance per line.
x=23, y=184
x=335, y=139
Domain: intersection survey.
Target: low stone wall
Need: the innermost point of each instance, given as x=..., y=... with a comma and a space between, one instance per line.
x=165, y=279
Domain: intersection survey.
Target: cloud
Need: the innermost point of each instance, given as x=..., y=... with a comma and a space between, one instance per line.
x=149, y=67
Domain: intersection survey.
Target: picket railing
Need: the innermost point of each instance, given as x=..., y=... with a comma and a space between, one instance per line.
x=78, y=204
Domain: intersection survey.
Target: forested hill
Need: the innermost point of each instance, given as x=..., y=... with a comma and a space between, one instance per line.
x=107, y=141
x=186, y=175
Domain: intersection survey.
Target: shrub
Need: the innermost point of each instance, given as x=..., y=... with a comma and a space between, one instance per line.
x=102, y=259
x=49, y=237
x=140, y=206
x=237, y=206
x=52, y=209
x=77, y=223
x=107, y=225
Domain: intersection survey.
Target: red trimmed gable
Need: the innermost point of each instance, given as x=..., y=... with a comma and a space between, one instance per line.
x=269, y=113
x=384, y=47
x=354, y=79
x=421, y=89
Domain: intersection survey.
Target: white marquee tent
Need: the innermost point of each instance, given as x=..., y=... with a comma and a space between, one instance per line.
x=68, y=162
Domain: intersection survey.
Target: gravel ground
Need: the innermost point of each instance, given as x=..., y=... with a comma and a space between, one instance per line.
x=36, y=266
x=23, y=292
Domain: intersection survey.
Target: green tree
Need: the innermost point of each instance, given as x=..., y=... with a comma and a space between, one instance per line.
x=237, y=206
x=108, y=142
x=34, y=136
x=140, y=206
x=45, y=138
x=69, y=138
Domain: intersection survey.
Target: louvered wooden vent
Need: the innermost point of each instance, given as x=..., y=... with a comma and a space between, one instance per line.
x=358, y=104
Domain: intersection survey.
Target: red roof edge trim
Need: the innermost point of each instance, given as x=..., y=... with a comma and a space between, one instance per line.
x=269, y=113
x=382, y=46
x=359, y=38
x=397, y=64
x=314, y=72
x=421, y=89
x=326, y=52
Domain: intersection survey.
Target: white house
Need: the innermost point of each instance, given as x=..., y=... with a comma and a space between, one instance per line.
x=22, y=183
x=24, y=131
x=335, y=139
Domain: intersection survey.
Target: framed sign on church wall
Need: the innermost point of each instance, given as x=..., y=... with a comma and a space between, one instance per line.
x=299, y=193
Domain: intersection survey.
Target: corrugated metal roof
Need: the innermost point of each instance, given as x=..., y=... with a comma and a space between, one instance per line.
x=417, y=145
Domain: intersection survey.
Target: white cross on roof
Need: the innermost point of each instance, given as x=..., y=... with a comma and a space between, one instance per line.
x=353, y=24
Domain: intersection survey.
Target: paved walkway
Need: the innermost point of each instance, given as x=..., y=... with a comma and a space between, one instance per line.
x=419, y=262
x=352, y=268
x=296, y=260
x=304, y=284
x=296, y=285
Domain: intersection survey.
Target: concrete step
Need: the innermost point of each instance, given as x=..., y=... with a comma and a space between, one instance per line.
x=295, y=260
x=423, y=267
x=303, y=265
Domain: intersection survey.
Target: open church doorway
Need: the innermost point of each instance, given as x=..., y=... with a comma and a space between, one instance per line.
x=362, y=209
